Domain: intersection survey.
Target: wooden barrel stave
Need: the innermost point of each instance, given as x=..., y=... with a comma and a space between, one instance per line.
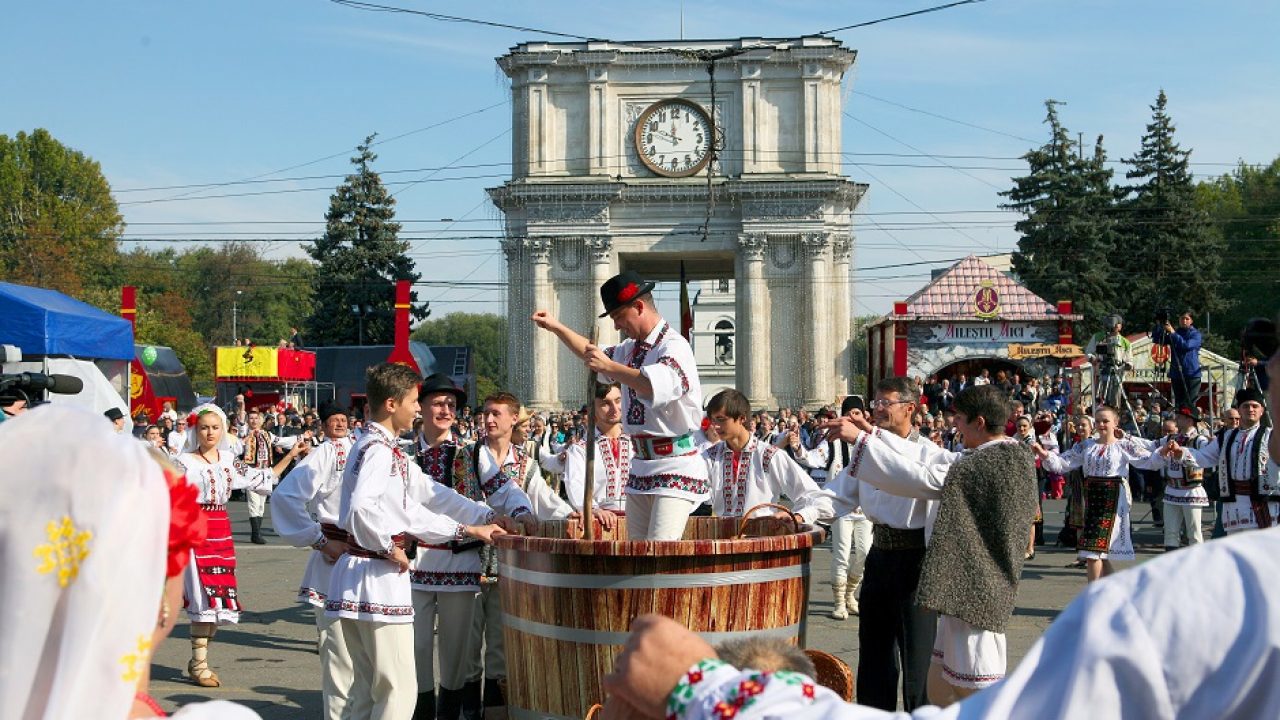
x=568, y=604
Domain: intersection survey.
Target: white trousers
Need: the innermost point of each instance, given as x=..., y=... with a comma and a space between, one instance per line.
x=657, y=517
x=257, y=503
x=384, y=685
x=850, y=541
x=1178, y=517
x=487, y=649
x=335, y=666
x=455, y=612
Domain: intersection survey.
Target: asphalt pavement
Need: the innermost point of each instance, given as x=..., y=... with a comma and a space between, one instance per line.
x=269, y=662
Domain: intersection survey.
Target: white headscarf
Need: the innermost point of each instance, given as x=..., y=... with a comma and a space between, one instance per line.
x=83, y=536
x=192, y=443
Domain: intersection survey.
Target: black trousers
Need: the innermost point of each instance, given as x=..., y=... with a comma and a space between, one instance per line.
x=895, y=636
x=1185, y=390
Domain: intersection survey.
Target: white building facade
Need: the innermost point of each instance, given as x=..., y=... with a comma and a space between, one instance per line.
x=593, y=192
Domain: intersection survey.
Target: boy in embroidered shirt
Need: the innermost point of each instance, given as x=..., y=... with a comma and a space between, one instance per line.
x=746, y=472
x=386, y=503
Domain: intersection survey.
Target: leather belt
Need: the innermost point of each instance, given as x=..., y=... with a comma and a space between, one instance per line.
x=885, y=537
x=355, y=550
x=333, y=532
x=431, y=546
x=655, y=447
x=214, y=508
x=1110, y=478
x=1241, y=487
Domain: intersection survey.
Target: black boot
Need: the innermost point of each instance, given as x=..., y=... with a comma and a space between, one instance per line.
x=255, y=531
x=472, y=708
x=450, y=705
x=493, y=695
x=426, y=707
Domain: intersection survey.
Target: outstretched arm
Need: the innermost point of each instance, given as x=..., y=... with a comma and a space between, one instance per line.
x=570, y=339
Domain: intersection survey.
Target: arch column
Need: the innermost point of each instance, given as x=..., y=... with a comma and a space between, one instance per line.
x=600, y=251
x=543, y=382
x=842, y=336
x=752, y=313
x=820, y=369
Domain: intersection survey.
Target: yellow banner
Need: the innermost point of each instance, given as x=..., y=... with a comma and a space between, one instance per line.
x=1039, y=350
x=247, y=362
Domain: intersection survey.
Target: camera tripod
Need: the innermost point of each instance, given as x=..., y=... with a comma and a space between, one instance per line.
x=1109, y=384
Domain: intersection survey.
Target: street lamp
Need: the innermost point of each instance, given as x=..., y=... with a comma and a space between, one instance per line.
x=361, y=312
x=235, y=312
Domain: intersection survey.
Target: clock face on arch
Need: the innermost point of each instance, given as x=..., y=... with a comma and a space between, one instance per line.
x=673, y=138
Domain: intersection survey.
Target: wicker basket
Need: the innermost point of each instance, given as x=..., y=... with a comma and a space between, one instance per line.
x=832, y=673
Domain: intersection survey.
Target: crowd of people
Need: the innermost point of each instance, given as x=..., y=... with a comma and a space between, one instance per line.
x=932, y=492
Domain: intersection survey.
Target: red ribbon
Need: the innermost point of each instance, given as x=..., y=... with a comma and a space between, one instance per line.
x=188, y=525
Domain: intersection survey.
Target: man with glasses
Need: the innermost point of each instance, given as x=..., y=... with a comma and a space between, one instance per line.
x=661, y=405
x=894, y=634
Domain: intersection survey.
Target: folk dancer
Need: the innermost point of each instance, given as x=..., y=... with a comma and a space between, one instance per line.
x=258, y=444
x=496, y=471
x=444, y=583
x=1105, y=460
x=212, y=597
x=385, y=503
x=988, y=497
x=745, y=471
x=1247, y=473
x=304, y=511
x=895, y=635
x=1184, y=495
x=612, y=456
x=661, y=405
x=850, y=530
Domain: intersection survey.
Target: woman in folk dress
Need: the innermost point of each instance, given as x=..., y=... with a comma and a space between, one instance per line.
x=1105, y=461
x=211, y=595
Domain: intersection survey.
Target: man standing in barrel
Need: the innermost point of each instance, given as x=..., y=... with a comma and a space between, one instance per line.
x=661, y=405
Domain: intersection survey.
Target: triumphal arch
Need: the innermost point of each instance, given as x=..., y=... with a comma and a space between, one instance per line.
x=721, y=154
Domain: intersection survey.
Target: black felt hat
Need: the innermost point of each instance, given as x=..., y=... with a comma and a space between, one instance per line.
x=439, y=382
x=329, y=409
x=113, y=414
x=1250, y=395
x=852, y=402
x=622, y=289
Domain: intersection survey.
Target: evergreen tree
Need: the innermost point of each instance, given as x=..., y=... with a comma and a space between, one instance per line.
x=1168, y=256
x=360, y=258
x=1068, y=230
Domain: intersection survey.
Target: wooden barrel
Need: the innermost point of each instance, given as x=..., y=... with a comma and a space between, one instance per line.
x=568, y=604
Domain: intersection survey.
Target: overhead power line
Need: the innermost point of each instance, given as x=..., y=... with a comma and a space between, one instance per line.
x=900, y=16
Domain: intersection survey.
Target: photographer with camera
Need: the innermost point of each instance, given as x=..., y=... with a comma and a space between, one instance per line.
x=1111, y=357
x=1184, y=362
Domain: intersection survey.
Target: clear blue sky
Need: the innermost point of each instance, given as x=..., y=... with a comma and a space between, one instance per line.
x=173, y=93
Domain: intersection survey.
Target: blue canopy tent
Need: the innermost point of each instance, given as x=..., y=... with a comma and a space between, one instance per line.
x=61, y=335
x=45, y=322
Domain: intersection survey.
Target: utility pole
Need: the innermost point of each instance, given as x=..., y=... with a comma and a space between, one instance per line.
x=235, y=312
